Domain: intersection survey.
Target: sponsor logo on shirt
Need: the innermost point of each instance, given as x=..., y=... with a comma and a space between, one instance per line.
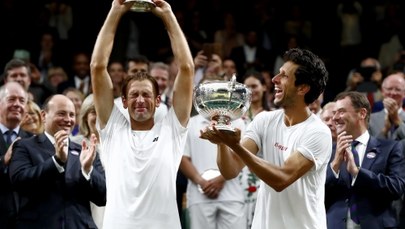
x=280, y=147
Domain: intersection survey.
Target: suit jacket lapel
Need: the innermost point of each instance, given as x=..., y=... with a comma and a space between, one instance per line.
x=46, y=144
x=73, y=155
x=3, y=145
x=372, y=152
x=24, y=134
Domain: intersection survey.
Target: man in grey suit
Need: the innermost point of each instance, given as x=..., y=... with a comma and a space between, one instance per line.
x=13, y=99
x=389, y=122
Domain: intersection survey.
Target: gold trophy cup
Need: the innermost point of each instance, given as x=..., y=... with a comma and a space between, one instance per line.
x=141, y=5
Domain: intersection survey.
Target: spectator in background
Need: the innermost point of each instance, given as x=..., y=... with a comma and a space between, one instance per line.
x=195, y=32
x=20, y=71
x=56, y=75
x=87, y=119
x=117, y=74
x=316, y=106
x=327, y=117
x=47, y=53
x=208, y=66
x=32, y=121
x=290, y=41
x=251, y=55
x=389, y=122
x=228, y=35
x=268, y=75
x=37, y=87
x=77, y=98
x=367, y=78
x=229, y=68
x=79, y=78
x=13, y=99
x=212, y=201
x=139, y=63
x=61, y=18
x=249, y=181
x=160, y=71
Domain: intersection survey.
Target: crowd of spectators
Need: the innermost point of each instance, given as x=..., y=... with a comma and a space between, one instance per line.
x=342, y=32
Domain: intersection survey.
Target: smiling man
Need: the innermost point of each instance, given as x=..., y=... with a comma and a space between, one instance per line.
x=55, y=178
x=13, y=99
x=363, y=179
x=296, y=147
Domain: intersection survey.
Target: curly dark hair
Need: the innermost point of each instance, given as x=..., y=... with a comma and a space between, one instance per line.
x=311, y=71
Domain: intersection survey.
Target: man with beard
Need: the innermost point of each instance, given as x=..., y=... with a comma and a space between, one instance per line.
x=296, y=147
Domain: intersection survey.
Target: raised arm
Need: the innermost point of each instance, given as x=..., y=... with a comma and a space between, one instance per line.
x=101, y=81
x=183, y=84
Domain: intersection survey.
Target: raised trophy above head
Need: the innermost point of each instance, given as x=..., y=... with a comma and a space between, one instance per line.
x=141, y=5
x=222, y=101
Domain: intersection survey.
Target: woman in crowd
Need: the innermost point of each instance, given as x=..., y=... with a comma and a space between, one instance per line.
x=32, y=121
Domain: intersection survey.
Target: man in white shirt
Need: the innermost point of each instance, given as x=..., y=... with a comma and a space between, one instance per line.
x=142, y=155
x=296, y=147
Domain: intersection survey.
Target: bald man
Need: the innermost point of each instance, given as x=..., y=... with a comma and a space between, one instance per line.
x=55, y=178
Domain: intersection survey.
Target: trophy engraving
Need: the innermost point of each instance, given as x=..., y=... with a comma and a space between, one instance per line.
x=222, y=101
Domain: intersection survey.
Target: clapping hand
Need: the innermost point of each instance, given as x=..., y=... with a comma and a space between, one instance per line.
x=88, y=153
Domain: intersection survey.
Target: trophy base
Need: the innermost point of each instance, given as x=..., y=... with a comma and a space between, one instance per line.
x=141, y=5
x=225, y=128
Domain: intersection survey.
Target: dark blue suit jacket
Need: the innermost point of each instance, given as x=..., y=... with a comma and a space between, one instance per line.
x=381, y=180
x=49, y=199
x=8, y=201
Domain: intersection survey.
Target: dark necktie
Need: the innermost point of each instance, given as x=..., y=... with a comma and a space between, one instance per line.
x=9, y=134
x=355, y=153
x=353, y=205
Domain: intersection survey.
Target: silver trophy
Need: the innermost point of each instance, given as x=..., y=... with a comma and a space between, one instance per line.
x=141, y=5
x=222, y=101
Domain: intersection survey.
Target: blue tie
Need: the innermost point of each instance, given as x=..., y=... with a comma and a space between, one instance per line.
x=9, y=134
x=353, y=206
x=355, y=153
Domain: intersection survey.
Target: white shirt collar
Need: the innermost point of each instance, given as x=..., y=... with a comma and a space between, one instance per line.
x=363, y=139
x=3, y=129
x=50, y=137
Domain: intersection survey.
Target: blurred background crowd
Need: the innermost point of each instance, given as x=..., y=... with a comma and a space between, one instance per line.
x=342, y=32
